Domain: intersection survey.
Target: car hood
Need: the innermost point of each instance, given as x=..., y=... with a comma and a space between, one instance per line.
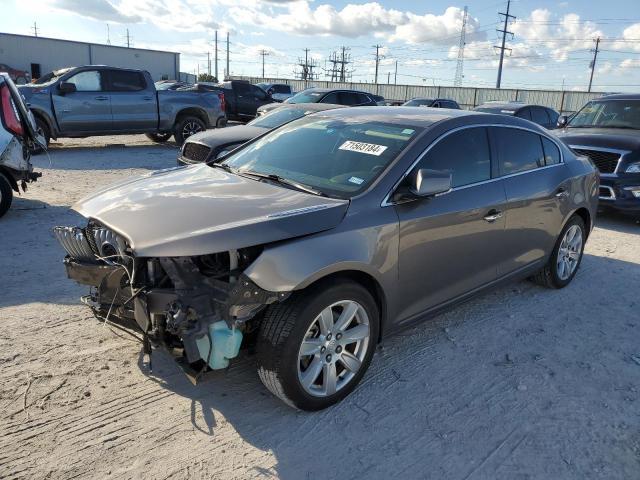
x=227, y=135
x=200, y=210
x=617, y=138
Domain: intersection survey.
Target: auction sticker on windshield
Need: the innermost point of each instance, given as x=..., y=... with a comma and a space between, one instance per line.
x=368, y=148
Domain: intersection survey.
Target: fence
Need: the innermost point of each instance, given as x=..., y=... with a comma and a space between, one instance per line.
x=467, y=97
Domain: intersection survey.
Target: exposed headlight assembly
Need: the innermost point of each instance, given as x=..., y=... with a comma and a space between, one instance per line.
x=633, y=168
x=635, y=191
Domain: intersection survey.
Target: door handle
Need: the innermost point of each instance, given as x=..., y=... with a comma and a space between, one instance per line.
x=493, y=215
x=147, y=98
x=102, y=98
x=562, y=193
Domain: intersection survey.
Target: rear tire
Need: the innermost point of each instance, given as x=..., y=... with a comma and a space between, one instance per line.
x=158, y=137
x=42, y=128
x=6, y=194
x=553, y=275
x=312, y=319
x=187, y=126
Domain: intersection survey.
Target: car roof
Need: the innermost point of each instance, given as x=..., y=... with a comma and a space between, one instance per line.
x=619, y=96
x=509, y=105
x=418, y=117
x=316, y=107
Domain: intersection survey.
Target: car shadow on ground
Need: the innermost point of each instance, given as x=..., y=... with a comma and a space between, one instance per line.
x=450, y=392
x=618, y=222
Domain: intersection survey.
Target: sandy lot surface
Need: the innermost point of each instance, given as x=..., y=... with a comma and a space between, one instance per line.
x=521, y=383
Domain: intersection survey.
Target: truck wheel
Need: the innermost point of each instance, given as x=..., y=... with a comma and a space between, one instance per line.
x=314, y=348
x=158, y=137
x=221, y=123
x=42, y=128
x=187, y=126
x=6, y=194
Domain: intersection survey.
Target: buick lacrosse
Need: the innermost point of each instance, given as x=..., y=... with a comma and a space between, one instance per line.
x=314, y=241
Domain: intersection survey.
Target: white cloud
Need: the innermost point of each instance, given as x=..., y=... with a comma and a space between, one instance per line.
x=440, y=29
x=630, y=63
x=629, y=41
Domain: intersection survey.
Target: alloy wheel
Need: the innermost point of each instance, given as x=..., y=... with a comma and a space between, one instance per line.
x=191, y=128
x=569, y=252
x=333, y=348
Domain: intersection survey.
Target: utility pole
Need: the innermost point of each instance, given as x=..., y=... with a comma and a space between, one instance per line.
x=377, y=64
x=264, y=53
x=35, y=29
x=593, y=62
x=504, y=32
x=209, y=63
x=228, y=72
x=128, y=39
x=457, y=82
x=395, y=75
x=215, y=56
x=108, y=35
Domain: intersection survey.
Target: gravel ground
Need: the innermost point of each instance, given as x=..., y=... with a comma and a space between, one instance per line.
x=521, y=383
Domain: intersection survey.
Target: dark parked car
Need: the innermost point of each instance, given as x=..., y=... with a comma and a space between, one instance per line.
x=213, y=144
x=99, y=100
x=243, y=99
x=607, y=130
x=349, y=98
x=279, y=91
x=319, y=238
x=432, y=102
x=545, y=116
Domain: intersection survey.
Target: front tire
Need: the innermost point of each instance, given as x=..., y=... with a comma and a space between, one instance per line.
x=187, y=126
x=566, y=256
x=314, y=348
x=6, y=194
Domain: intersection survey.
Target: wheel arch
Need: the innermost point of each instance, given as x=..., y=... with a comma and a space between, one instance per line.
x=45, y=118
x=5, y=172
x=585, y=215
x=364, y=279
x=192, y=111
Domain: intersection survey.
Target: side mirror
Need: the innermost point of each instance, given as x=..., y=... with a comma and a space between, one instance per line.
x=66, y=87
x=562, y=121
x=427, y=183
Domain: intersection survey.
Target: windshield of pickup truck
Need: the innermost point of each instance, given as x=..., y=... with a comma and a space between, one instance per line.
x=278, y=117
x=608, y=114
x=334, y=156
x=51, y=77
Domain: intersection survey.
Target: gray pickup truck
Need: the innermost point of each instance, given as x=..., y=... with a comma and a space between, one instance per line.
x=99, y=100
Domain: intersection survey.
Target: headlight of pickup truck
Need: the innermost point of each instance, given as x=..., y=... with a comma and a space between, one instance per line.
x=633, y=168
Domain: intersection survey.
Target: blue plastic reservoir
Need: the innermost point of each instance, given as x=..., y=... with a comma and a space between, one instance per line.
x=226, y=345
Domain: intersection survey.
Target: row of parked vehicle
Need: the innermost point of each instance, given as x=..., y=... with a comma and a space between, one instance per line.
x=314, y=231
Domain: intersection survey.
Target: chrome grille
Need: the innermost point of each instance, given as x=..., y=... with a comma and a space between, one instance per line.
x=74, y=241
x=196, y=152
x=605, y=161
x=109, y=244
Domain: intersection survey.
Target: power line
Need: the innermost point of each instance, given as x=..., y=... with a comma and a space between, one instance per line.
x=504, y=32
x=593, y=63
x=457, y=82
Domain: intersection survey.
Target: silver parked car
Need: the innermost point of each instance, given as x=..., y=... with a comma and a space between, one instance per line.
x=319, y=238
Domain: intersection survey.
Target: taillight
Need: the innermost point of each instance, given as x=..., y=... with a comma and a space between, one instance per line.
x=10, y=115
x=223, y=105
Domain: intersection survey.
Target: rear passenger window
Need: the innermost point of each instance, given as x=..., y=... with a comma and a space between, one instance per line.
x=124, y=81
x=331, y=98
x=349, y=98
x=551, y=152
x=518, y=150
x=464, y=154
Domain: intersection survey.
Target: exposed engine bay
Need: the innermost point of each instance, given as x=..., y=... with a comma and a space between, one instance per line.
x=199, y=308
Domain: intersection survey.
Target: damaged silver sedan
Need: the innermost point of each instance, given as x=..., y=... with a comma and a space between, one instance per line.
x=312, y=242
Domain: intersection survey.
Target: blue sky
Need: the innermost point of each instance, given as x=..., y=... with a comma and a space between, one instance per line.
x=551, y=47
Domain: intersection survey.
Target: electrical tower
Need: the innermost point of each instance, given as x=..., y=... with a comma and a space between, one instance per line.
x=593, y=62
x=504, y=32
x=338, y=71
x=457, y=82
x=263, y=53
x=306, y=72
x=35, y=29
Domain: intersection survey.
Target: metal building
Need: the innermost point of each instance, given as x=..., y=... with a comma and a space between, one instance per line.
x=28, y=57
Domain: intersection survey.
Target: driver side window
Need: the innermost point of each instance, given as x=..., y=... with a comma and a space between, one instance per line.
x=464, y=154
x=89, y=81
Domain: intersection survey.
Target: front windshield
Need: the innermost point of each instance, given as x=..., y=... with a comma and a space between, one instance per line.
x=277, y=117
x=608, y=114
x=310, y=96
x=338, y=157
x=50, y=77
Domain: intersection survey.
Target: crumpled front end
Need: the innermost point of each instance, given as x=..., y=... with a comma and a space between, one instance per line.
x=200, y=308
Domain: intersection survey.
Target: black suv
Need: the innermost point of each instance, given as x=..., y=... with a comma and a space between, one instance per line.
x=544, y=116
x=607, y=130
x=350, y=98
